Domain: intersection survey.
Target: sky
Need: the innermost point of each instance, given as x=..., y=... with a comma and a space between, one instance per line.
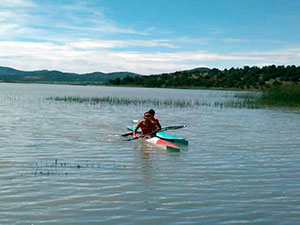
x=148, y=36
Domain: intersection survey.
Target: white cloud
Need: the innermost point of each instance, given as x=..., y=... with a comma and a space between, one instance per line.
x=46, y=21
x=16, y=3
x=34, y=56
x=8, y=29
x=5, y=15
x=95, y=44
x=288, y=55
x=13, y=23
x=233, y=40
x=100, y=28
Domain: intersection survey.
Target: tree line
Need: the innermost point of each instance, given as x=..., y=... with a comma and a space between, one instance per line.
x=239, y=78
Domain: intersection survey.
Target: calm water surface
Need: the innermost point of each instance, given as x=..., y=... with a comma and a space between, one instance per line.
x=65, y=163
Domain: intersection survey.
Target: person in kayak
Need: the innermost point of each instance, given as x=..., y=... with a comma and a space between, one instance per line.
x=148, y=127
x=154, y=119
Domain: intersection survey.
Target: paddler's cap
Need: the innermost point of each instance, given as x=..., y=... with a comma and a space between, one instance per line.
x=147, y=114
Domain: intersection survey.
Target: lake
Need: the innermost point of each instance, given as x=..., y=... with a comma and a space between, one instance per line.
x=65, y=162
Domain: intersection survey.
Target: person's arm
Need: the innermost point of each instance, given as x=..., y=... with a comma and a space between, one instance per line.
x=158, y=125
x=136, y=128
x=156, y=128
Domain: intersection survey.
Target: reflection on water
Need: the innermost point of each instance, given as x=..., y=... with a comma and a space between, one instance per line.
x=65, y=163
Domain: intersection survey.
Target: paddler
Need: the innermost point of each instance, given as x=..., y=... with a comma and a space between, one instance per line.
x=148, y=127
x=154, y=119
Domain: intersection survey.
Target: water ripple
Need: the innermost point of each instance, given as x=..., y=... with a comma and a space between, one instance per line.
x=66, y=163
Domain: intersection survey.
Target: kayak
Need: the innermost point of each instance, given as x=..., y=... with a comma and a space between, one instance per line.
x=171, y=137
x=162, y=144
x=165, y=136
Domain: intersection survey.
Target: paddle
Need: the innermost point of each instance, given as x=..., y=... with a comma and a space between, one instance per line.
x=130, y=139
x=162, y=129
x=140, y=136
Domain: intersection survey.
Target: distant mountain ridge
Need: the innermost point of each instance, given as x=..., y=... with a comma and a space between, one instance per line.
x=199, y=69
x=8, y=74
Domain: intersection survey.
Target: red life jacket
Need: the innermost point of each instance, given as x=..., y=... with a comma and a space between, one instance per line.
x=147, y=129
x=155, y=120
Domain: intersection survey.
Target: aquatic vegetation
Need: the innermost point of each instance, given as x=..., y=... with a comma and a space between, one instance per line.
x=285, y=95
x=63, y=168
x=124, y=101
x=245, y=102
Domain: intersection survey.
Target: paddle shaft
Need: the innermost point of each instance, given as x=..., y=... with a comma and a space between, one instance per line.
x=162, y=129
x=137, y=137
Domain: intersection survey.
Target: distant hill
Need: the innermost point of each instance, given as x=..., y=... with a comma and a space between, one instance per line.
x=200, y=70
x=45, y=76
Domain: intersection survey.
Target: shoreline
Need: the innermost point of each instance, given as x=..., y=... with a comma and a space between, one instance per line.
x=134, y=86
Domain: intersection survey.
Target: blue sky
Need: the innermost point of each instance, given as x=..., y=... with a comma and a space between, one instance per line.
x=148, y=36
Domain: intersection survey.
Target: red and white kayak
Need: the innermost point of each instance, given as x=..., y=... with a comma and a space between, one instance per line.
x=162, y=144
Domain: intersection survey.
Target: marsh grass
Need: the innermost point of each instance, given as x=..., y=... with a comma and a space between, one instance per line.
x=285, y=95
x=150, y=102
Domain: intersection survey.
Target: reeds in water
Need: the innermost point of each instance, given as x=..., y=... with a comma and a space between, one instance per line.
x=125, y=101
x=150, y=102
x=285, y=95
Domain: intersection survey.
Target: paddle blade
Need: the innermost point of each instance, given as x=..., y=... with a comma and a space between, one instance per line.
x=173, y=127
x=127, y=134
